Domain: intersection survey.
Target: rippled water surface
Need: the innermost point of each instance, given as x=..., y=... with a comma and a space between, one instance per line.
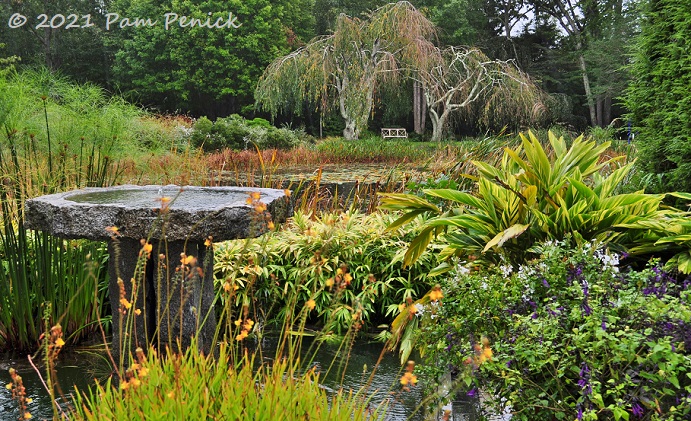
x=81, y=368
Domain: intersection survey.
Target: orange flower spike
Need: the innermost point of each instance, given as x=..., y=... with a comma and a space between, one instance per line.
x=436, y=293
x=113, y=231
x=310, y=304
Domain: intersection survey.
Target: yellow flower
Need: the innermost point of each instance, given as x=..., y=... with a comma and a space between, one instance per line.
x=408, y=378
x=147, y=248
x=329, y=282
x=125, y=303
x=241, y=336
x=208, y=242
x=188, y=260
x=270, y=225
x=124, y=385
x=171, y=394
x=310, y=304
x=138, y=312
x=135, y=382
x=143, y=372
x=238, y=322
x=112, y=230
x=436, y=294
x=8, y=386
x=29, y=400
x=27, y=416
x=255, y=195
x=347, y=278
x=226, y=287
x=60, y=342
x=287, y=192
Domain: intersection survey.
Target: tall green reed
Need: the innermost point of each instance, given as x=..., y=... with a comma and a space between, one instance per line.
x=36, y=267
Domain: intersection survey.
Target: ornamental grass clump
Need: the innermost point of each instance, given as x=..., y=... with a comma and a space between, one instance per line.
x=574, y=333
x=192, y=386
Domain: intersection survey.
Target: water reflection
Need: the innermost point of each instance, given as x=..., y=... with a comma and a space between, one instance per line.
x=81, y=368
x=77, y=367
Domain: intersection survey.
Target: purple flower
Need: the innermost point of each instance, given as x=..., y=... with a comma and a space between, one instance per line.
x=580, y=413
x=472, y=392
x=583, y=381
x=545, y=283
x=637, y=410
x=604, y=325
x=586, y=310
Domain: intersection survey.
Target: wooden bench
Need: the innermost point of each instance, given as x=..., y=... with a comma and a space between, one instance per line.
x=402, y=133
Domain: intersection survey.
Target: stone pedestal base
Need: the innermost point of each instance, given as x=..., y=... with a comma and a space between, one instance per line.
x=172, y=299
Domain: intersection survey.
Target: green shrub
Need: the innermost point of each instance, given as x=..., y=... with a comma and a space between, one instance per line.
x=341, y=261
x=573, y=335
x=535, y=195
x=659, y=95
x=234, y=132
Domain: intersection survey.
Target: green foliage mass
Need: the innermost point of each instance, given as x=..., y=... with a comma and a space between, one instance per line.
x=207, y=71
x=573, y=334
x=74, y=111
x=302, y=258
x=197, y=387
x=235, y=132
x=537, y=194
x=659, y=96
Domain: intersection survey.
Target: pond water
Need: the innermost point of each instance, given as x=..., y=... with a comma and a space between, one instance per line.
x=81, y=367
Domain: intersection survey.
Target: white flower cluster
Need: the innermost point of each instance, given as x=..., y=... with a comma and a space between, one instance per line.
x=524, y=275
x=506, y=269
x=609, y=260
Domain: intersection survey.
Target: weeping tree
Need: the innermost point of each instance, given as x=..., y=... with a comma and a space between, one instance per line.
x=463, y=80
x=343, y=70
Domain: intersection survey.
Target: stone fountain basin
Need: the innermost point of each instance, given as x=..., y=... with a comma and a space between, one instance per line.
x=193, y=213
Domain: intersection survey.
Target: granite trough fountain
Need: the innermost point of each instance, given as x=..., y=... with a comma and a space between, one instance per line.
x=159, y=242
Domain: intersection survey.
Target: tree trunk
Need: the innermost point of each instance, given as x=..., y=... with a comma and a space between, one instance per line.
x=586, y=85
x=419, y=108
x=600, y=103
x=438, y=123
x=607, y=114
x=351, y=131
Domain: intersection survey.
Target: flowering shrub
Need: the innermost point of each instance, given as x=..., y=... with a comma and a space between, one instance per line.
x=574, y=335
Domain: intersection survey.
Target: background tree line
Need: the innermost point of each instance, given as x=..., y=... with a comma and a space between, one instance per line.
x=574, y=49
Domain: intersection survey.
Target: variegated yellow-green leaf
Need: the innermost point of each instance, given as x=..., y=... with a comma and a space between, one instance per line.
x=507, y=234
